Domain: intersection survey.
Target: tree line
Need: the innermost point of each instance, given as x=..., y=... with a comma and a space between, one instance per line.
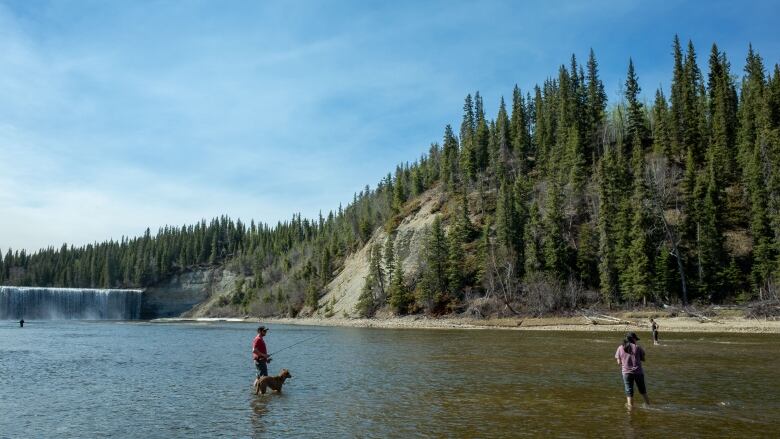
x=674, y=200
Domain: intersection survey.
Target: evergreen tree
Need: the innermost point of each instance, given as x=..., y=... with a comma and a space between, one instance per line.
x=373, y=293
x=677, y=99
x=637, y=280
x=433, y=288
x=389, y=258
x=596, y=104
x=636, y=115
x=399, y=297
x=468, y=134
x=553, y=243
x=662, y=135
x=449, y=169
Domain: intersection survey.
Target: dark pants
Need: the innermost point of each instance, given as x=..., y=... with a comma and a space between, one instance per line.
x=655, y=336
x=628, y=382
x=262, y=368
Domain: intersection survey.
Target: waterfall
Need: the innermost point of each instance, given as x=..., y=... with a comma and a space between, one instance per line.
x=34, y=303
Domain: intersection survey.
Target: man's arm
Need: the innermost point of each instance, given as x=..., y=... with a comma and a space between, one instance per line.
x=261, y=355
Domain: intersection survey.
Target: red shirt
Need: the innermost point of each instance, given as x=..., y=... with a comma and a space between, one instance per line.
x=258, y=345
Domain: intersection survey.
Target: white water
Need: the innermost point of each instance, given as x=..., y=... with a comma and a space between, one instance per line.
x=36, y=303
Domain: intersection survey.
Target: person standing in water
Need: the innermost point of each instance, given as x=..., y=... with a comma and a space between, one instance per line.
x=21, y=323
x=630, y=356
x=654, y=327
x=260, y=354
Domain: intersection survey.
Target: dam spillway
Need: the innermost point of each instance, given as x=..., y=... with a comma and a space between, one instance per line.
x=39, y=303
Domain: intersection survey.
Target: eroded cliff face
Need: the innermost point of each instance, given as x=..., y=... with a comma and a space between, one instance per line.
x=343, y=291
x=180, y=295
x=198, y=293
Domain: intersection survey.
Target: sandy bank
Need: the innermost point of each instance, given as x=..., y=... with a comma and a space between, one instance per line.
x=668, y=324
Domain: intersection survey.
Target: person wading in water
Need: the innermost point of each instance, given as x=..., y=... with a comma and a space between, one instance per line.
x=654, y=328
x=630, y=356
x=260, y=354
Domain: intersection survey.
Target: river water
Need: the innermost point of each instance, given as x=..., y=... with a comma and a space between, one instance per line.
x=139, y=380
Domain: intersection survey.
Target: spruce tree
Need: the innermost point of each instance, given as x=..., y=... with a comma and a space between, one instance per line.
x=399, y=297
x=468, y=133
x=637, y=281
x=553, y=243
x=636, y=116
x=389, y=258
x=434, y=283
x=677, y=100
x=596, y=104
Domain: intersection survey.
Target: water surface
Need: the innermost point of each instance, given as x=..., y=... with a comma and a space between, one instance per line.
x=110, y=379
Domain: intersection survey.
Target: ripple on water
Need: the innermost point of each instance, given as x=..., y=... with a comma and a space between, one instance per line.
x=184, y=380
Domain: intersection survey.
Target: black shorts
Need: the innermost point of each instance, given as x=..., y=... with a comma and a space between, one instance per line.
x=628, y=382
x=262, y=368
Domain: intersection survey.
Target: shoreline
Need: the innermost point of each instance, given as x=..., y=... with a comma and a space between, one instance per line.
x=666, y=324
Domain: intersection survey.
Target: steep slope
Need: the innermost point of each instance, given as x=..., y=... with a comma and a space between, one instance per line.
x=343, y=291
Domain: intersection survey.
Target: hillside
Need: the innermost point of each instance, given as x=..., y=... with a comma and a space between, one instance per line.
x=559, y=202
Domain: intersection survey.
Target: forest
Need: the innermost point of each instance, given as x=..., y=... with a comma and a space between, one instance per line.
x=559, y=201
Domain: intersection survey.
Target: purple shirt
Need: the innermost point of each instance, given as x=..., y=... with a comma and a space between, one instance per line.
x=630, y=362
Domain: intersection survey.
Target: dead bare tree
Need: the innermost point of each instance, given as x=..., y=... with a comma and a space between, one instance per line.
x=662, y=179
x=501, y=276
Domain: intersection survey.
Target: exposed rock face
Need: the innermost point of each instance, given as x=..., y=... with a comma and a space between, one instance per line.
x=344, y=290
x=197, y=293
x=182, y=292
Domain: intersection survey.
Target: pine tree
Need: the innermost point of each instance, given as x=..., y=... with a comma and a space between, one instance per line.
x=677, y=100
x=399, y=297
x=693, y=111
x=520, y=135
x=553, y=243
x=607, y=212
x=455, y=264
x=389, y=258
x=433, y=286
x=637, y=281
x=710, y=239
x=662, y=135
x=596, y=104
x=636, y=115
x=482, y=141
x=449, y=165
x=468, y=134
x=373, y=293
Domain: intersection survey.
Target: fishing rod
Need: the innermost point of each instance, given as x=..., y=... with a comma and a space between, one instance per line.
x=294, y=344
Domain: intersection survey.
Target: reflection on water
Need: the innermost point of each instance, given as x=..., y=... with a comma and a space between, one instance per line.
x=76, y=379
x=259, y=411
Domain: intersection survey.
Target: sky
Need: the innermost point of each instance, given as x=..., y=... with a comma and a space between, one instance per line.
x=118, y=116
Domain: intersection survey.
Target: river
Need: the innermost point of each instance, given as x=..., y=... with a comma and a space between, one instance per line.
x=74, y=379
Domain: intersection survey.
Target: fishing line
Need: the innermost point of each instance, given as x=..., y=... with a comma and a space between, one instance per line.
x=294, y=344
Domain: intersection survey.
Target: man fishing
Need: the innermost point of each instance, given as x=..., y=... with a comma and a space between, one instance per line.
x=260, y=354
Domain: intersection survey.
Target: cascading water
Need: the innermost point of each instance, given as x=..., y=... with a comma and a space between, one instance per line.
x=34, y=303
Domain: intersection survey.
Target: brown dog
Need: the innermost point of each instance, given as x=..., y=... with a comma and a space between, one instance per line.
x=275, y=383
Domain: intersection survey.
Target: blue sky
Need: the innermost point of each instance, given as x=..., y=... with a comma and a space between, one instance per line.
x=119, y=115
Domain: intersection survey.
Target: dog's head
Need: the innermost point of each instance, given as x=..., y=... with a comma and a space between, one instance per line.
x=285, y=374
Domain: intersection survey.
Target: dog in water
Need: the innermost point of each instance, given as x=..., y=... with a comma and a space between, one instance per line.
x=274, y=382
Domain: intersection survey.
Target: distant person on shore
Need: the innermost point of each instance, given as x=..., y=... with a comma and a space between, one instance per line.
x=260, y=354
x=654, y=327
x=21, y=323
x=630, y=357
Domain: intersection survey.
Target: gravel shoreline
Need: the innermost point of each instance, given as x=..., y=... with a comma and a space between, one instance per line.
x=666, y=324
